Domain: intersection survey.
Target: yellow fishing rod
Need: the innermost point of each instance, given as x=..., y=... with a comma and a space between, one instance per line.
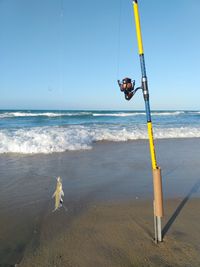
x=127, y=87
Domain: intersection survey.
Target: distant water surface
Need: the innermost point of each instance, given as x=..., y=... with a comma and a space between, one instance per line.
x=50, y=131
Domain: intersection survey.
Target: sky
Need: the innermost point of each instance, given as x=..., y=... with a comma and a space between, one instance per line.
x=66, y=54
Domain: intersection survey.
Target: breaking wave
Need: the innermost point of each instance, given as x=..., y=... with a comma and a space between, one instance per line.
x=40, y=114
x=18, y=114
x=127, y=114
x=174, y=113
x=59, y=139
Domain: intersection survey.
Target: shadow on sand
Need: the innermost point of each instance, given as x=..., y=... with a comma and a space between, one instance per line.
x=193, y=190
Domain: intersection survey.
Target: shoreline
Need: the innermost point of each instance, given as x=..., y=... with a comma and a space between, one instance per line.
x=102, y=142
x=112, y=178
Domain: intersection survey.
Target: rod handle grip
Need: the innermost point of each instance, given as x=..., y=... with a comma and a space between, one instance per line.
x=158, y=193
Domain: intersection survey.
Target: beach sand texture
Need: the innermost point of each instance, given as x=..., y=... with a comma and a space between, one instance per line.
x=116, y=235
x=108, y=196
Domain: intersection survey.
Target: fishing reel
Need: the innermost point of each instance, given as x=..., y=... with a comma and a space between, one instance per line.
x=127, y=87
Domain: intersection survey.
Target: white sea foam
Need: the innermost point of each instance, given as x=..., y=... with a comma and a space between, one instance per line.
x=43, y=140
x=39, y=114
x=77, y=137
x=85, y=113
x=170, y=113
x=125, y=114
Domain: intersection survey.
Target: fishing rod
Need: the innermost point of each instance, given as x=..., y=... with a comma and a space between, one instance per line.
x=127, y=87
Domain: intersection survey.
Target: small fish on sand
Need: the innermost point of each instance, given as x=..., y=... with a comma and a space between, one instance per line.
x=58, y=194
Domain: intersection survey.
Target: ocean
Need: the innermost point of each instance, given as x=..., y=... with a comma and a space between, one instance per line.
x=32, y=132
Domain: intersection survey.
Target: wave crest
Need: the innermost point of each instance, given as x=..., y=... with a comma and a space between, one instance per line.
x=60, y=139
x=41, y=114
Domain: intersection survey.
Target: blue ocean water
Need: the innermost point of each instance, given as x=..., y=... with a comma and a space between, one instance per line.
x=61, y=130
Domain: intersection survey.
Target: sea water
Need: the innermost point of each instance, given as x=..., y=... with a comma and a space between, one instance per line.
x=30, y=131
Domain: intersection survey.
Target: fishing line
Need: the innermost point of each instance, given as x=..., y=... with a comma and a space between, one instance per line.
x=61, y=52
x=119, y=39
x=59, y=191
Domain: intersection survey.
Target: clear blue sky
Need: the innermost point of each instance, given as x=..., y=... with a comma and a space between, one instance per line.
x=66, y=54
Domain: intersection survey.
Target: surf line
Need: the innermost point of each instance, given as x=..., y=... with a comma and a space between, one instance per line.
x=127, y=87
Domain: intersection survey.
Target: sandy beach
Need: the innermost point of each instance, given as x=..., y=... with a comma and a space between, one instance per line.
x=108, y=218
x=99, y=126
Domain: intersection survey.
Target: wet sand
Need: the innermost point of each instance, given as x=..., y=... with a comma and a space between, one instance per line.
x=117, y=234
x=108, y=196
